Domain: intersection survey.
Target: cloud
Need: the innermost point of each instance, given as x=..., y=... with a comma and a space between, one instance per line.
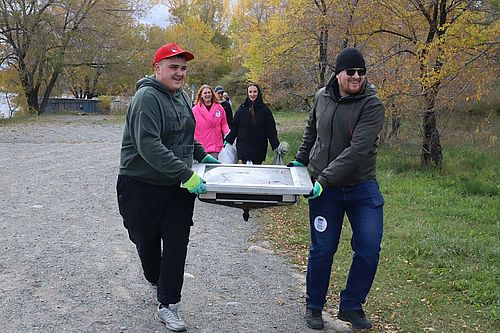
x=158, y=15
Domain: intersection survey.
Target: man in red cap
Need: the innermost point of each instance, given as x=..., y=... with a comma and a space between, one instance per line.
x=158, y=148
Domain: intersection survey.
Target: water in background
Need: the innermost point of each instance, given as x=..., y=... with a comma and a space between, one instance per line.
x=4, y=107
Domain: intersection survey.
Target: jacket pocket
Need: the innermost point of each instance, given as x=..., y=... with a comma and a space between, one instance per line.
x=318, y=158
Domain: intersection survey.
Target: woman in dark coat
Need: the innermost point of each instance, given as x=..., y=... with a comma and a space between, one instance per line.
x=253, y=125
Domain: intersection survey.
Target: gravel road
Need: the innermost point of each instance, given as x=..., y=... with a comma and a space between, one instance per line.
x=66, y=264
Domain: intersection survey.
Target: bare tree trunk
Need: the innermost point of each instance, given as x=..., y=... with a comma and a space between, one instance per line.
x=48, y=91
x=32, y=98
x=323, y=59
x=390, y=130
x=431, y=146
x=92, y=88
x=323, y=44
x=395, y=125
x=29, y=89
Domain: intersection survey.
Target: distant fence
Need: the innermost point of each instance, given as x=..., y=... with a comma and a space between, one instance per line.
x=72, y=104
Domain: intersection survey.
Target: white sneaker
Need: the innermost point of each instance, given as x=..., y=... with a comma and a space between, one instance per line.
x=169, y=316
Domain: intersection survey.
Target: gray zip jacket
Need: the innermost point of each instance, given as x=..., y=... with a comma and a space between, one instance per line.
x=158, y=144
x=339, y=144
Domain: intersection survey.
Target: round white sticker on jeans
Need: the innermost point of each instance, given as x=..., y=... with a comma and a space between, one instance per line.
x=320, y=223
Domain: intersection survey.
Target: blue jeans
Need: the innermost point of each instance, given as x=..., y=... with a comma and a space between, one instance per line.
x=363, y=205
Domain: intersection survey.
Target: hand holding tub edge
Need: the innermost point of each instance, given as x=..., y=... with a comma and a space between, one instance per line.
x=316, y=191
x=294, y=163
x=195, y=184
x=210, y=159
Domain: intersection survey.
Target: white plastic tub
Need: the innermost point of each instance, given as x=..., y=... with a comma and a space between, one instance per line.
x=252, y=186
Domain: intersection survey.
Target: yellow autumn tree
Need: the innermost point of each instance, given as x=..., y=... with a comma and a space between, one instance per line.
x=292, y=49
x=443, y=48
x=200, y=26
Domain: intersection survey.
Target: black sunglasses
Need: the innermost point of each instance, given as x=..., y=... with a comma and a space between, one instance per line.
x=351, y=71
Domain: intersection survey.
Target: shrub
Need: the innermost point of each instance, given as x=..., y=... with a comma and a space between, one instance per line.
x=105, y=104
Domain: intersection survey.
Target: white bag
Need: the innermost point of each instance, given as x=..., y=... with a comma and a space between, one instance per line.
x=279, y=153
x=228, y=154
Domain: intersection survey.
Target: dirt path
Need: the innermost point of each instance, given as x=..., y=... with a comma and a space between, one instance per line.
x=67, y=265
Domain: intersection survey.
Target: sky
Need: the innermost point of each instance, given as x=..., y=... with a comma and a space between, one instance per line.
x=158, y=15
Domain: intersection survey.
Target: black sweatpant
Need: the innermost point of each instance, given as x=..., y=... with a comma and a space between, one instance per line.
x=154, y=215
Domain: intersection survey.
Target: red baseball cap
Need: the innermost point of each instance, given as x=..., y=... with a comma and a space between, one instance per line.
x=171, y=50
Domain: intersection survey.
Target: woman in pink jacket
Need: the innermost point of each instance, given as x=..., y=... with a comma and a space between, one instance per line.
x=211, y=122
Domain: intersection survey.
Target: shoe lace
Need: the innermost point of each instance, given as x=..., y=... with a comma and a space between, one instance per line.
x=172, y=312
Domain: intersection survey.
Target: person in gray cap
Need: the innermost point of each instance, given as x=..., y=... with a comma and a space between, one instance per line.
x=339, y=148
x=226, y=104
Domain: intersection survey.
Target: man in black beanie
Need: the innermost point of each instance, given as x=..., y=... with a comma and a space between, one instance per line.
x=339, y=148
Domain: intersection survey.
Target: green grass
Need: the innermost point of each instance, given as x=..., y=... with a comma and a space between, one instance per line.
x=439, y=268
x=62, y=117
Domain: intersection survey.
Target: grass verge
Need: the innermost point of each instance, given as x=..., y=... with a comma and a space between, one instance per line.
x=439, y=268
x=62, y=117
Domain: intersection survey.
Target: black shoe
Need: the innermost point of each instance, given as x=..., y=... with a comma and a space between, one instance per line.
x=356, y=317
x=314, y=319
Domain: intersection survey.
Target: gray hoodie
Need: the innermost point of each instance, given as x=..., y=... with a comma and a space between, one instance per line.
x=339, y=144
x=158, y=144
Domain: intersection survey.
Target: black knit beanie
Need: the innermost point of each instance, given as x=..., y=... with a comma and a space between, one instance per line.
x=349, y=58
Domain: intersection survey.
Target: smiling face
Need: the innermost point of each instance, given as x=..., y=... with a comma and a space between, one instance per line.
x=206, y=96
x=350, y=84
x=171, y=72
x=252, y=93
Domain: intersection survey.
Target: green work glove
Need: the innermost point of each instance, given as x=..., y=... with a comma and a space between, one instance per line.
x=210, y=159
x=195, y=184
x=316, y=191
x=294, y=163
